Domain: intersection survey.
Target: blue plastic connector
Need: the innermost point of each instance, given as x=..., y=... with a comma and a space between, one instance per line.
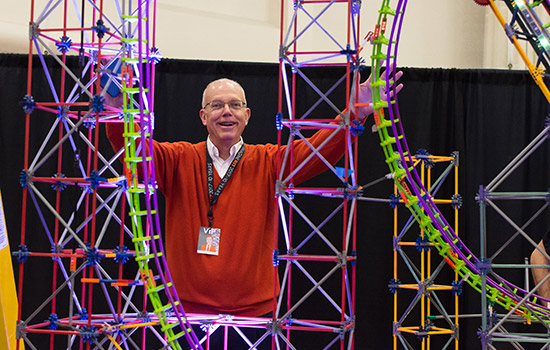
x=354, y=254
x=83, y=314
x=52, y=320
x=28, y=104
x=62, y=112
x=422, y=243
x=394, y=285
x=394, y=201
x=492, y=319
x=95, y=179
x=456, y=201
x=357, y=128
x=89, y=334
x=348, y=52
x=100, y=28
x=89, y=123
x=348, y=193
x=22, y=254
x=459, y=245
x=122, y=255
x=59, y=185
x=93, y=256
x=55, y=249
x=275, y=257
x=423, y=155
x=97, y=104
x=154, y=55
x=457, y=287
x=24, y=178
x=278, y=121
x=64, y=44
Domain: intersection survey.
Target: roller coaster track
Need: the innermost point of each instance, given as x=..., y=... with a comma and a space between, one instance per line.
x=477, y=272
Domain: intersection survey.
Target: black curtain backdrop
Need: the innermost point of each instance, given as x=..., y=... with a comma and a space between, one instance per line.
x=488, y=116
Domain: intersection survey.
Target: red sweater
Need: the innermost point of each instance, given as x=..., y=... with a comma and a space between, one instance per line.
x=239, y=281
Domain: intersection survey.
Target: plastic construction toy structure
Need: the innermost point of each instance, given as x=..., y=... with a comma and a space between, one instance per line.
x=75, y=194
x=477, y=272
x=307, y=243
x=98, y=297
x=526, y=24
x=425, y=270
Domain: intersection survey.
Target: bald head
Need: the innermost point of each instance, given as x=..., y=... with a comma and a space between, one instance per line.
x=218, y=85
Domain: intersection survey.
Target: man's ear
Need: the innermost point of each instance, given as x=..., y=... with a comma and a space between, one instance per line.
x=248, y=114
x=202, y=115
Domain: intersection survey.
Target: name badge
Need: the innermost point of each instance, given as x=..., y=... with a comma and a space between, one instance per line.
x=209, y=241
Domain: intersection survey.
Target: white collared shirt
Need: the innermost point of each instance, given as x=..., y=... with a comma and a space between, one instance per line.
x=221, y=165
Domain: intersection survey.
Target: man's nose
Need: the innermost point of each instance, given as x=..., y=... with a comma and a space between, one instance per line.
x=226, y=108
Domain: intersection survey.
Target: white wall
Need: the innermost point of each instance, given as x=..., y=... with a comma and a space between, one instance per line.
x=436, y=33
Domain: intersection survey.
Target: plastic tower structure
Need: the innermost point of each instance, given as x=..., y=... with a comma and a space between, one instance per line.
x=429, y=301
x=76, y=194
x=307, y=243
x=526, y=25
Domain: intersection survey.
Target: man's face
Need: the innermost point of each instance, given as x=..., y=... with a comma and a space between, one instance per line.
x=227, y=124
x=209, y=239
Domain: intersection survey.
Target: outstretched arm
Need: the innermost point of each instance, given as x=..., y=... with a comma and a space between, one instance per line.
x=334, y=149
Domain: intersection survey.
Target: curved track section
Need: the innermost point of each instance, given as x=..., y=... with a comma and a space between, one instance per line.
x=471, y=269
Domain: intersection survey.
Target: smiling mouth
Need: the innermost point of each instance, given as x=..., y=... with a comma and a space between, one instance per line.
x=227, y=124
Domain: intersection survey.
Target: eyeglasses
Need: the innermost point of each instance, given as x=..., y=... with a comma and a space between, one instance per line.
x=217, y=105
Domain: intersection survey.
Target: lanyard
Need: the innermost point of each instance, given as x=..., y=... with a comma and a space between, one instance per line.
x=214, y=195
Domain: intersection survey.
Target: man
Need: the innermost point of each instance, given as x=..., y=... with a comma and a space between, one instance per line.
x=239, y=280
x=209, y=246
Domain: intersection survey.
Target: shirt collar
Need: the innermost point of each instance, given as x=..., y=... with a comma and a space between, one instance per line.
x=215, y=153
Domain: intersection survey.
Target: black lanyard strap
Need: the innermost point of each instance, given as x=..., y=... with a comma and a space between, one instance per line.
x=213, y=195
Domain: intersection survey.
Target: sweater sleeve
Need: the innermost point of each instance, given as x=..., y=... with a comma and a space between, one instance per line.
x=114, y=134
x=166, y=155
